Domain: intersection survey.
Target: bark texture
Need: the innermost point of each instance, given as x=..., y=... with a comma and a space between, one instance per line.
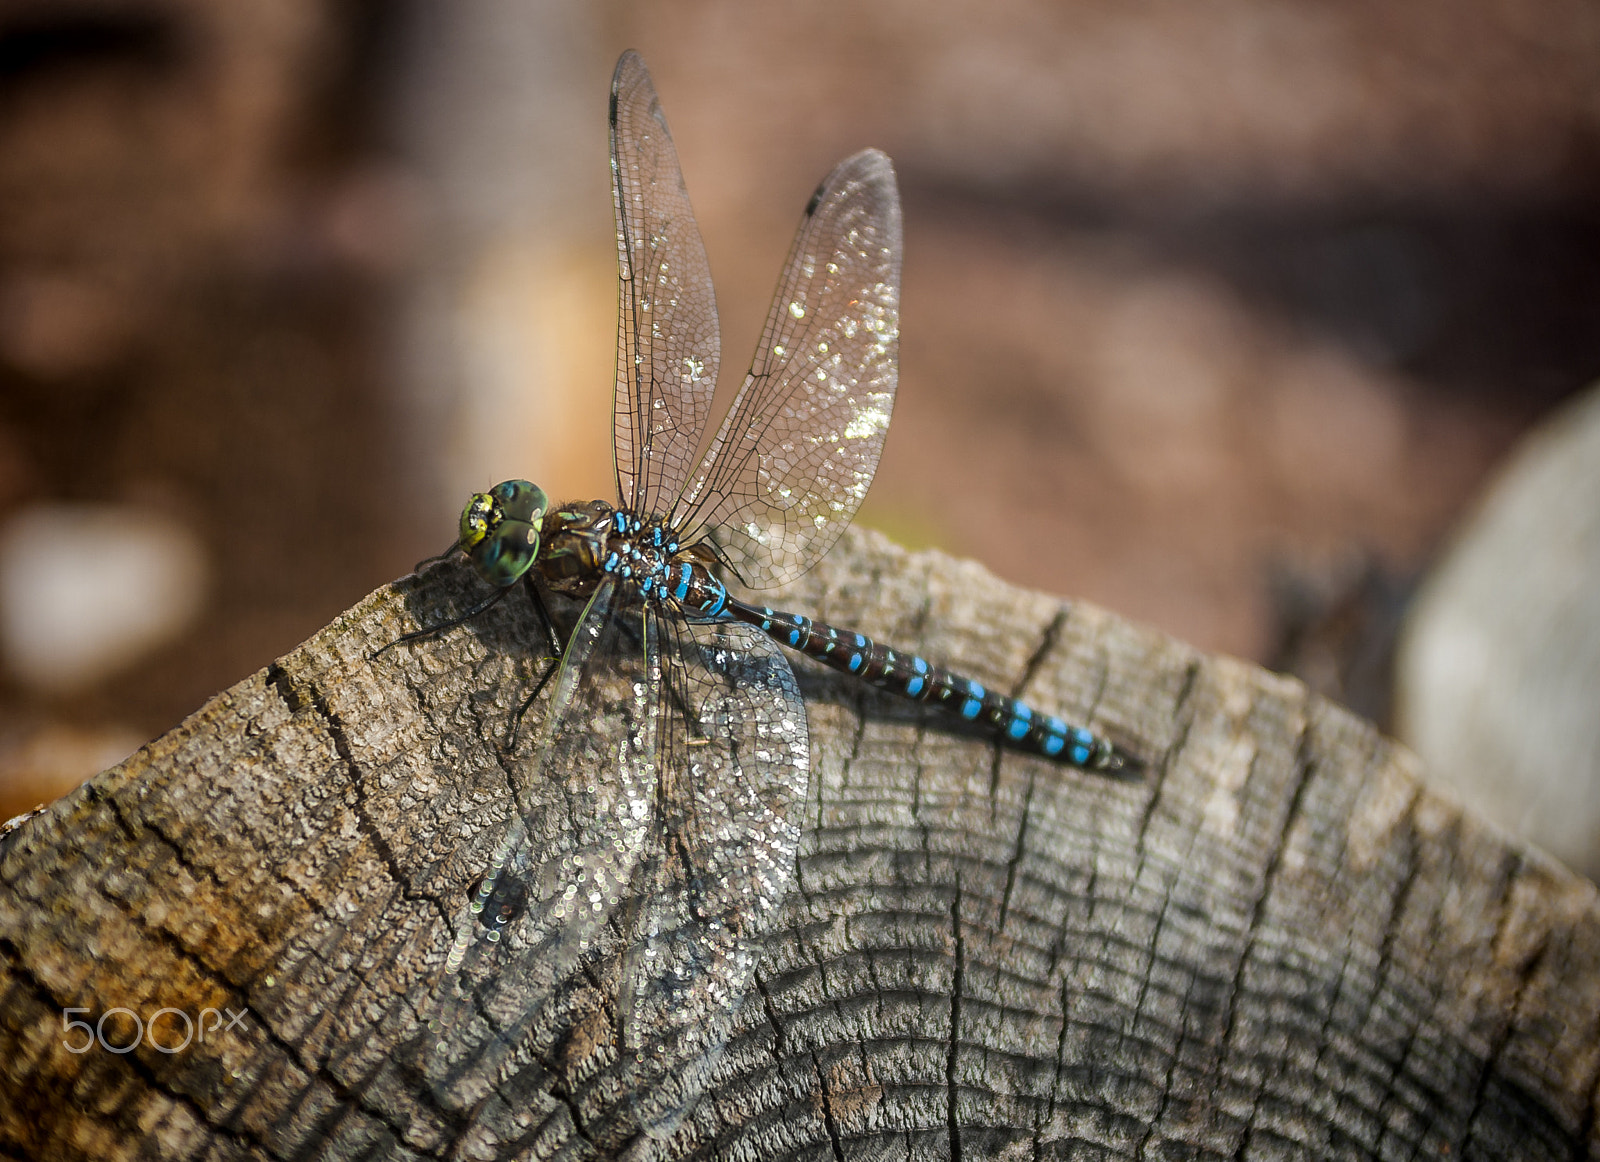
x=1277, y=943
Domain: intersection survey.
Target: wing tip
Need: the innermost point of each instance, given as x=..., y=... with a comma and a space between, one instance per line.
x=630, y=71
x=629, y=62
x=869, y=166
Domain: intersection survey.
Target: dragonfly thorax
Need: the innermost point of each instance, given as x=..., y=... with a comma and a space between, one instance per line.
x=576, y=540
x=638, y=550
x=585, y=543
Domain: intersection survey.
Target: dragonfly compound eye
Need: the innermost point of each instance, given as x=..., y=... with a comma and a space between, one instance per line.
x=519, y=500
x=508, y=552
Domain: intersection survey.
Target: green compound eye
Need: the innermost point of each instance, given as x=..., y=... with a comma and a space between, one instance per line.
x=520, y=500
x=500, y=530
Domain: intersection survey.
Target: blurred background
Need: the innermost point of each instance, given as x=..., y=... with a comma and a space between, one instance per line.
x=1219, y=316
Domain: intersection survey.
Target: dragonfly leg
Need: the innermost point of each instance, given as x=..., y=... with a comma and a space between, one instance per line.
x=545, y=619
x=431, y=630
x=551, y=664
x=437, y=557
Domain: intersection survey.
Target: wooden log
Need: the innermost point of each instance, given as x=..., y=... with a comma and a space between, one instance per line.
x=1278, y=943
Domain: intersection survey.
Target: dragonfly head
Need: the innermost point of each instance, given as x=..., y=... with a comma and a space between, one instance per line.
x=500, y=530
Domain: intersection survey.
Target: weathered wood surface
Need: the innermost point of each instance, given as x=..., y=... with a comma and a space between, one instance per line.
x=1277, y=944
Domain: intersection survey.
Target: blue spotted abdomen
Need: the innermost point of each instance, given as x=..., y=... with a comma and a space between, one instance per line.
x=1017, y=724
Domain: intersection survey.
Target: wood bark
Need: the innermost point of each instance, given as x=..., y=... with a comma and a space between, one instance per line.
x=1277, y=943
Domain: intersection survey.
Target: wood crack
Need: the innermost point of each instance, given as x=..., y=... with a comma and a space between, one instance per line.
x=829, y=1121
x=1526, y=971
x=1019, y=849
x=1299, y=780
x=957, y=983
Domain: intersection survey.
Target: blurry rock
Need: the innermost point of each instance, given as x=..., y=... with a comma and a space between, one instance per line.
x=87, y=589
x=1498, y=682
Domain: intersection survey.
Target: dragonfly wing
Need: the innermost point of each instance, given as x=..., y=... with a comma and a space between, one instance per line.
x=583, y=815
x=799, y=446
x=668, y=346
x=735, y=765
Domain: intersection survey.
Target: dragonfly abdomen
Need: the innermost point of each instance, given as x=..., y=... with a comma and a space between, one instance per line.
x=910, y=676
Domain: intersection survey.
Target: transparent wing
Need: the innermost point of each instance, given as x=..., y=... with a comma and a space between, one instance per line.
x=667, y=346
x=735, y=764
x=797, y=451
x=567, y=858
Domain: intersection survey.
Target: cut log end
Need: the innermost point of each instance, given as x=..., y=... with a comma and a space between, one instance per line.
x=1276, y=941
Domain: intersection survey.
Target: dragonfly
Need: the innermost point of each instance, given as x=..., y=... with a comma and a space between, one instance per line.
x=674, y=753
